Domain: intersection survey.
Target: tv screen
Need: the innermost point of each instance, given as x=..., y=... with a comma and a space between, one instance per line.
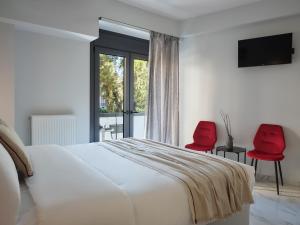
x=262, y=51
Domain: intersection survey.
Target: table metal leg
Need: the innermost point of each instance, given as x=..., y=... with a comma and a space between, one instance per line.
x=224, y=154
x=238, y=157
x=245, y=159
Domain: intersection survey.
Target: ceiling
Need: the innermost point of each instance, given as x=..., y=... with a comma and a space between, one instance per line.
x=185, y=9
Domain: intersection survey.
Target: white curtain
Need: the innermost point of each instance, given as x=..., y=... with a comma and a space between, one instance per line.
x=163, y=97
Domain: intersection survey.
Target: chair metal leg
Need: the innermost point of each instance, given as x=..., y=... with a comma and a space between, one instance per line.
x=252, y=162
x=276, y=175
x=256, y=166
x=211, y=151
x=280, y=173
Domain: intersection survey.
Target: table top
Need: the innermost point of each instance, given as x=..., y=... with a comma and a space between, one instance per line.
x=235, y=149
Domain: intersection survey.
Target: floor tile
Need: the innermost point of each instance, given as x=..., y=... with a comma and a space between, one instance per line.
x=271, y=209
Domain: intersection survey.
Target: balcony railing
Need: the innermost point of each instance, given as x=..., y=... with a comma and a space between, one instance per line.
x=111, y=125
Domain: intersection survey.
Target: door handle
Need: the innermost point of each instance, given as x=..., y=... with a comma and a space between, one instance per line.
x=132, y=112
x=129, y=112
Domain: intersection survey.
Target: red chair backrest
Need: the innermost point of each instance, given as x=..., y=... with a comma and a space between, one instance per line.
x=205, y=134
x=269, y=138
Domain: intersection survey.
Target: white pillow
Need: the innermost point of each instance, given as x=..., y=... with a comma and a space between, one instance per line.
x=10, y=196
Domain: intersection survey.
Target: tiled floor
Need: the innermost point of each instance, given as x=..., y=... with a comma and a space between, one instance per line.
x=270, y=209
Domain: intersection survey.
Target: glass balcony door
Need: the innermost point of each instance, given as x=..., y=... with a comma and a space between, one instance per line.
x=112, y=73
x=121, y=93
x=139, y=94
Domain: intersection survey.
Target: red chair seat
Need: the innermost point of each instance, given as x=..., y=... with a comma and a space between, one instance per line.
x=205, y=137
x=196, y=147
x=264, y=156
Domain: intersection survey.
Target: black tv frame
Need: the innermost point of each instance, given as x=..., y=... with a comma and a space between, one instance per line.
x=265, y=42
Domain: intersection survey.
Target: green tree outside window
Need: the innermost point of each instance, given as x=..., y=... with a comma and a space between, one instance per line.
x=111, y=83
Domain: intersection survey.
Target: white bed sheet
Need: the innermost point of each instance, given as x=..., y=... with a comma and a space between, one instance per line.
x=151, y=198
x=27, y=214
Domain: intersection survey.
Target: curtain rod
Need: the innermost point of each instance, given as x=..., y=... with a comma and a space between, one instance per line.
x=124, y=24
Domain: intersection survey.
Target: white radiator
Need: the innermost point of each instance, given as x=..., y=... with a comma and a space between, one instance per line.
x=53, y=129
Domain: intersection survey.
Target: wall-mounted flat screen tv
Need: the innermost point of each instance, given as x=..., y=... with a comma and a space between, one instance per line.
x=270, y=50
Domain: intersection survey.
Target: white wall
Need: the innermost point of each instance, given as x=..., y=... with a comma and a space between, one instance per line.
x=52, y=77
x=211, y=81
x=246, y=14
x=7, y=73
x=82, y=16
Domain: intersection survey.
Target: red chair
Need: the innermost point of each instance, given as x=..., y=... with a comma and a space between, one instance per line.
x=269, y=145
x=205, y=137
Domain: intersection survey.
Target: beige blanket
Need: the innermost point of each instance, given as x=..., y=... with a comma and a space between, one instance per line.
x=216, y=188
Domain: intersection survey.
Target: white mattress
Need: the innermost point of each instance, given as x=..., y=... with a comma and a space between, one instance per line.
x=151, y=198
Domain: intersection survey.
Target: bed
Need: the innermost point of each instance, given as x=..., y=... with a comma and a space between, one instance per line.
x=95, y=184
